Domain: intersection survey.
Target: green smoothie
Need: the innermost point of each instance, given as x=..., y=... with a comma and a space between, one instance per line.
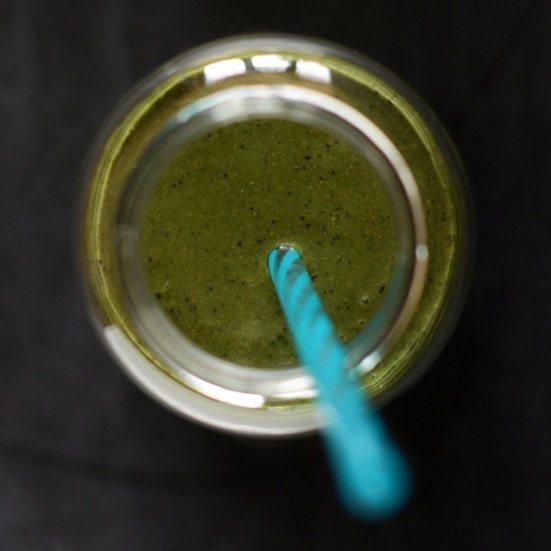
x=228, y=198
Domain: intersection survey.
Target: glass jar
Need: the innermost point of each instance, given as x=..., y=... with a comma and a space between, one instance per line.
x=271, y=89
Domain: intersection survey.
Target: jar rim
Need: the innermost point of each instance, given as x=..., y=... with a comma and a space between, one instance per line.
x=226, y=381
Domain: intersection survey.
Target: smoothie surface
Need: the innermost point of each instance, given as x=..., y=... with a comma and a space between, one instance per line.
x=229, y=197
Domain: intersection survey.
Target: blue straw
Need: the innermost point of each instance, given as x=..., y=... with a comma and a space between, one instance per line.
x=372, y=476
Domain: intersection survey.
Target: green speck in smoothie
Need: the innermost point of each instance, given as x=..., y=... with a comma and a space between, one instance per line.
x=227, y=199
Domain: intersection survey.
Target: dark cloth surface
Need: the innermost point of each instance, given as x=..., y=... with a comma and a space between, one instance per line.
x=88, y=462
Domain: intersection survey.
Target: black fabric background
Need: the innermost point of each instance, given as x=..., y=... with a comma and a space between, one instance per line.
x=88, y=462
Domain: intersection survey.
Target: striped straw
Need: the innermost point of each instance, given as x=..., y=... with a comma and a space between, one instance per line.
x=371, y=474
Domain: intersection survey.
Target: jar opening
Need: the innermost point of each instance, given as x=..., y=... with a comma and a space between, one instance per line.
x=227, y=381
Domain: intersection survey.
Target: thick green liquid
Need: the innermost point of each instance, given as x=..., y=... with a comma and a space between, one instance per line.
x=231, y=196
